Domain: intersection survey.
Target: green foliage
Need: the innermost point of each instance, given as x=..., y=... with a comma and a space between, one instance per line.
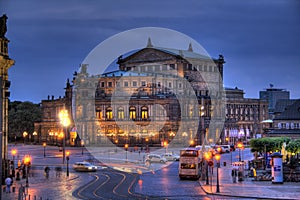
x=21, y=117
x=268, y=143
x=293, y=146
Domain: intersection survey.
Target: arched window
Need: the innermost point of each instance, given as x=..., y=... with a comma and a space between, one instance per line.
x=144, y=112
x=132, y=112
x=120, y=113
x=98, y=113
x=109, y=113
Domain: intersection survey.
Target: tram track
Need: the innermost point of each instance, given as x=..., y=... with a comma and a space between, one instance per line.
x=109, y=184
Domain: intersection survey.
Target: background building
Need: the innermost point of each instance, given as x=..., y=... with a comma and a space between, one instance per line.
x=272, y=95
x=244, y=116
x=5, y=64
x=286, y=122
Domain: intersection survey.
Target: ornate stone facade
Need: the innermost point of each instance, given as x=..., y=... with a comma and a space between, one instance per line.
x=157, y=95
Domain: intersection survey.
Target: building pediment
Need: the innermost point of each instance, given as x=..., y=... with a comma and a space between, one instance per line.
x=149, y=55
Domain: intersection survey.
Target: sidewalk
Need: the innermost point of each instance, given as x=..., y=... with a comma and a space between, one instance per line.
x=250, y=188
x=40, y=187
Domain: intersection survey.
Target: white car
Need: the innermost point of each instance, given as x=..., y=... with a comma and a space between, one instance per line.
x=84, y=167
x=155, y=158
x=171, y=157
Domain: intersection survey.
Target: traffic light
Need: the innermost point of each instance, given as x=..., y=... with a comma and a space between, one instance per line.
x=210, y=163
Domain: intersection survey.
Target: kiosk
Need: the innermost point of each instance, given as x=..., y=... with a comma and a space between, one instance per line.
x=277, y=169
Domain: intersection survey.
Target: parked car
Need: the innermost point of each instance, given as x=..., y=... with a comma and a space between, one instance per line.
x=152, y=158
x=84, y=167
x=226, y=148
x=171, y=156
x=219, y=149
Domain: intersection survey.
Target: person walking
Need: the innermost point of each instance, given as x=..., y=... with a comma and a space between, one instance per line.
x=234, y=175
x=47, y=170
x=8, y=183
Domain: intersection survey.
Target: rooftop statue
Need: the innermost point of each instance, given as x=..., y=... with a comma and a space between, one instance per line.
x=3, y=27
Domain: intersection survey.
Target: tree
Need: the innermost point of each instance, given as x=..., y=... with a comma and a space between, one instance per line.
x=21, y=117
x=268, y=144
x=293, y=146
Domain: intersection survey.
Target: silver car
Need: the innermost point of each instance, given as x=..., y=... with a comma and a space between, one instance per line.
x=84, y=167
x=152, y=158
x=171, y=156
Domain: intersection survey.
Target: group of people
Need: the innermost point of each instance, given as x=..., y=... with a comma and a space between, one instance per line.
x=20, y=171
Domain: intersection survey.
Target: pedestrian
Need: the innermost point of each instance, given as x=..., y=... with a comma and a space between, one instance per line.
x=234, y=175
x=47, y=170
x=8, y=183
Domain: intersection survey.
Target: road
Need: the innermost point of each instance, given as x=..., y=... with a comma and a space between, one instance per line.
x=108, y=183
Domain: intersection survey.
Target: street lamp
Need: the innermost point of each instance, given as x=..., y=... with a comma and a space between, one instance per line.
x=34, y=136
x=25, y=135
x=227, y=140
x=207, y=156
x=218, y=157
x=82, y=145
x=44, y=145
x=13, y=152
x=166, y=145
x=126, y=148
x=65, y=121
x=192, y=143
x=240, y=146
x=27, y=163
x=68, y=158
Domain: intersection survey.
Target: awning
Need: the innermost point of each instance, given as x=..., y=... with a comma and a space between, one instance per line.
x=267, y=121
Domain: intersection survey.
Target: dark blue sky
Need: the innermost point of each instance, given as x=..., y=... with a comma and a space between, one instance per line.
x=259, y=39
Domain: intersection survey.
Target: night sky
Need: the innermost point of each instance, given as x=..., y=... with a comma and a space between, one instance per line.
x=259, y=39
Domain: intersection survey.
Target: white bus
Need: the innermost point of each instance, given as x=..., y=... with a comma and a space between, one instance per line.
x=190, y=163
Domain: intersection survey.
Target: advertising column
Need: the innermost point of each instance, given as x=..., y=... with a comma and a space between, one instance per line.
x=277, y=169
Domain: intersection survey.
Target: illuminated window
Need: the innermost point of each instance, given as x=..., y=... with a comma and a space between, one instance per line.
x=132, y=112
x=121, y=113
x=109, y=113
x=144, y=112
x=98, y=113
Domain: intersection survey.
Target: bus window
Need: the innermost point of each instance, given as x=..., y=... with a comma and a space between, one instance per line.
x=188, y=166
x=188, y=153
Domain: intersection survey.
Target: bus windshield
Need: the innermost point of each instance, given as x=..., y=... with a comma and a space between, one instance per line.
x=188, y=166
x=189, y=153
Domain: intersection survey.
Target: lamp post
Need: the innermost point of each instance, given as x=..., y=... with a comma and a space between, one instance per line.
x=34, y=134
x=27, y=163
x=218, y=157
x=13, y=152
x=240, y=146
x=65, y=121
x=166, y=146
x=126, y=148
x=44, y=145
x=82, y=145
x=68, y=158
x=25, y=135
x=207, y=156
